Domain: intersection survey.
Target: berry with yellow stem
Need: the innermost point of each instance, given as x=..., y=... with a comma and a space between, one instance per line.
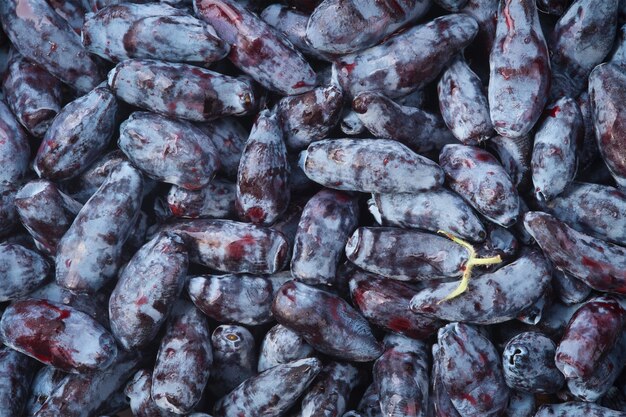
x=471, y=263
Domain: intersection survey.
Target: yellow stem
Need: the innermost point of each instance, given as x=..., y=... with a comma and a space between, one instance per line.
x=471, y=263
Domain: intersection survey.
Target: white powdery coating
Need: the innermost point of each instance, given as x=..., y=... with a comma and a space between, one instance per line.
x=21, y=271
x=471, y=371
x=423, y=211
x=421, y=51
x=339, y=27
x=182, y=366
x=168, y=150
x=519, y=69
x=14, y=148
x=149, y=30
x=369, y=165
x=55, y=46
x=554, y=161
x=262, y=52
x=80, y=344
x=292, y=24
x=281, y=345
x=464, y=106
x=78, y=135
x=89, y=253
x=216, y=200
x=180, y=90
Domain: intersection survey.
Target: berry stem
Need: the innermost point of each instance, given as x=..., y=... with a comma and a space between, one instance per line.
x=471, y=263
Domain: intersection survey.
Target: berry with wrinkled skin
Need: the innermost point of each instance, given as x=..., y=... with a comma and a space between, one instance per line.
x=558, y=137
x=568, y=289
x=310, y=116
x=151, y=31
x=89, y=254
x=576, y=409
x=244, y=299
x=519, y=76
x=40, y=34
x=146, y=289
x=423, y=211
x=77, y=136
x=595, y=209
x=46, y=213
x=344, y=26
x=385, y=303
x=405, y=255
x=44, y=383
x=281, y=345
x=33, y=94
x=22, y=271
x=492, y=297
x=306, y=310
x=599, y=264
x=58, y=335
x=581, y=39
x=591, y=333
x=263, y=178
x=401, y=377
x=292, y=24
x=182, y=365
x=369, y=165
x=256, y=48
x=229, y=138
x=477, y=176
x=234, y=359
x=463, y=103
x=407, y=61
x=138, y=392
x=16, y=374
x=514, y=155
x=606, y=93
x=83, y=395
x=183, y=91
x=169, y=150
x=328, y=219
x=471, y=371
x=421, y=131
x=275, y=390
x=330, y=391
x=216, y=200
x=233, y=247
x=528, y=362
